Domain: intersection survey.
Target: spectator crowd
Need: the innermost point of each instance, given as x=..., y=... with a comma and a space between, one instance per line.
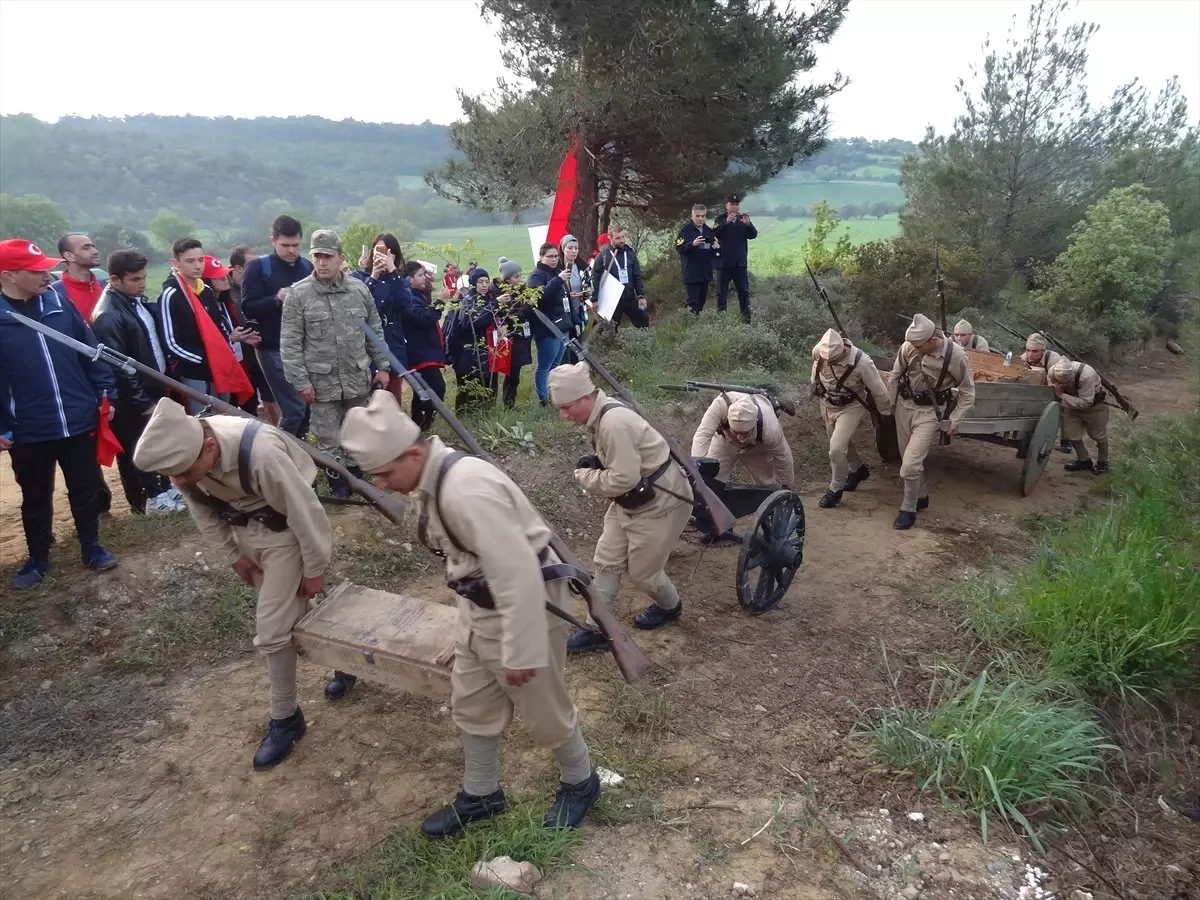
x=281, y=336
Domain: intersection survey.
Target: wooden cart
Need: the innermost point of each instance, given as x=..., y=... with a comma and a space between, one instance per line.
x=1013, y=408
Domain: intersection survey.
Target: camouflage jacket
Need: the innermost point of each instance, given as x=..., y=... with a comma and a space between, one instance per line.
x=321, y=341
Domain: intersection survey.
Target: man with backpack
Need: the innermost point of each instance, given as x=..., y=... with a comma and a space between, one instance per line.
x=266, y=283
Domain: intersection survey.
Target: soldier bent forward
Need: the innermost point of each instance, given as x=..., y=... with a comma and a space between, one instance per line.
x=326, y=357
x=249, y=491
x=510, y=652
x=1083, y=408
x=744, y=427
x=847, y=382
x=1038, y=355
x=927, y=367
x=651, y=499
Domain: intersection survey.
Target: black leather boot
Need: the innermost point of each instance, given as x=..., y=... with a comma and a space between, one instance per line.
x=905, y=520
x=1080, y=465
x=922, y=503
x=281, y=738
x=1064, y=446
x=830, y=499
x=1101, y=468
x=340, y=685
x=857, y=477
x=572, y=802
x=654, y=616
x=450, y=820
x=586, y=641
x=337, y=485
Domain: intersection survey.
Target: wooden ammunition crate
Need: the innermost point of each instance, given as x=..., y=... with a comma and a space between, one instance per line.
x=400, y=641
x=990, y=367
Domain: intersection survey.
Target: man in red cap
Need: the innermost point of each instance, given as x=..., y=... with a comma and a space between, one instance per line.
x=50, y=397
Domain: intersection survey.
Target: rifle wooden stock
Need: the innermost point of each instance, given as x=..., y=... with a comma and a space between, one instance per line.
x=722, y=518
x=630, y=658
x=388, y=504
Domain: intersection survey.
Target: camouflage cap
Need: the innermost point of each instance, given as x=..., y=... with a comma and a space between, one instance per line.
x=325, y=242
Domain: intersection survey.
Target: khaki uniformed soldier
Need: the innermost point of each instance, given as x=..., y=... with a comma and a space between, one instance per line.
x=965, y=337
x=510, y=652
x=1038, y=355
x=326, y=357
x=651, y=499
x=1083, y=408
x=927, y=367
x=846, y=380
x=744, y=427
x=249, y=491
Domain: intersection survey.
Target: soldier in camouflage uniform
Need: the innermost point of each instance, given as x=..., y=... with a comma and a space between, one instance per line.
x=326, y=356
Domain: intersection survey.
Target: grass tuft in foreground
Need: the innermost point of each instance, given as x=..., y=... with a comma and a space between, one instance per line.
x=1113, y=601
x=410, y=867
x=1000, y=746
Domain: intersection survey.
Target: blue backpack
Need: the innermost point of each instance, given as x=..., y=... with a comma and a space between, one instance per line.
x=264, y=263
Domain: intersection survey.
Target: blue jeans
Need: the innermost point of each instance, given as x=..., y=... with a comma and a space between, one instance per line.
x=292, y=408
x=195, y=407
x=549, y=354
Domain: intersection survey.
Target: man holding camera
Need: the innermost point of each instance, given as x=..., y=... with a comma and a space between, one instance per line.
x=733, y=229
x=696, y=245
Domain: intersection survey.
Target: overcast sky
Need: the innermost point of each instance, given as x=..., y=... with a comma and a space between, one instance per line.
x=357, y=59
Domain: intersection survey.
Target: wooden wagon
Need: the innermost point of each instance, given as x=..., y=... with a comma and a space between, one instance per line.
x=1013, y=407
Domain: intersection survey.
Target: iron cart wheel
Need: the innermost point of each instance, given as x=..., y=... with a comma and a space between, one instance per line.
x=771, y=552
x=1041, y=446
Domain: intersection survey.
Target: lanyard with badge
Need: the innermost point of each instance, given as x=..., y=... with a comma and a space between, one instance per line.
x=622, y=270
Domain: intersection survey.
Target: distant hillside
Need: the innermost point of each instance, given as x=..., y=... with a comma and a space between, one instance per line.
x=234, y=175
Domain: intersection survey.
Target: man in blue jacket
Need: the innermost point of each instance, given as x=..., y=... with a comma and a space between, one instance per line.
x=733, y=229
x=696, y=245
x=49, y=408
x=266, y=282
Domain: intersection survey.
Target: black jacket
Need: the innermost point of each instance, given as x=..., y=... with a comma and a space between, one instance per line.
x=261, y=281
x=177, y=329
x=733, y=237
x=116, y=324
x=695, y=263
x=612, y=261
x=555, y=301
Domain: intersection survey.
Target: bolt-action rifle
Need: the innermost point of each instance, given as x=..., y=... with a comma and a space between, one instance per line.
x=780, y=404
x=388, y=504
x=631, y=660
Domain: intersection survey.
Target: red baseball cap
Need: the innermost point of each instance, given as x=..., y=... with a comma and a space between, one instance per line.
x=20, y=255
x=214, y=269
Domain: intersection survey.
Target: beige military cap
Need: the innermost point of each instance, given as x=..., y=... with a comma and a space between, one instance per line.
x=171, y=442
x=964, y=327
x=570, y=382
x=743, y=414
x=830, y=346
x=921, y=329
x=378, y=433
x=1036, y=342
x=1063, y=370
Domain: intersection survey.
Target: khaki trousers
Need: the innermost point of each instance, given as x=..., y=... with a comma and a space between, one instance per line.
x=483, y=703
x=325, y=420
x=640, y=542
x=278, y=609
x=756, y=459
x=1093, y=420
x=916, y=431
x=840, y=424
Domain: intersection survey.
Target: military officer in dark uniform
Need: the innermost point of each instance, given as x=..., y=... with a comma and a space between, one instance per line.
x=733, y=229
x=696, y=245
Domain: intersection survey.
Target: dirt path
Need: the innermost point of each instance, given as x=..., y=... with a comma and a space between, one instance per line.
x=756, y=707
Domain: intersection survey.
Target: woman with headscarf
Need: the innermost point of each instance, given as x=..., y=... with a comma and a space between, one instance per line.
x=575, y=274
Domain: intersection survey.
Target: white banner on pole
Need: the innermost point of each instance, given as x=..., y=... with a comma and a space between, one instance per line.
x=537, y=237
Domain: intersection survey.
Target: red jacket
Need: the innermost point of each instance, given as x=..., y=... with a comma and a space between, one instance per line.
x=84, y=295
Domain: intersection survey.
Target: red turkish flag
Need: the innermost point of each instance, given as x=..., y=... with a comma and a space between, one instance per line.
x=228, y=376
x=564, y=196
x=107, y=445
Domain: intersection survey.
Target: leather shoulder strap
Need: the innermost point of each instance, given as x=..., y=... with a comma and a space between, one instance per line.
x=245, y=445
x=841, y=382
x=949, y=351
x=448, y=462
x=1078, y=375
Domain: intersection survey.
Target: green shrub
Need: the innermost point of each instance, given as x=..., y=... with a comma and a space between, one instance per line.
x=1005, y=747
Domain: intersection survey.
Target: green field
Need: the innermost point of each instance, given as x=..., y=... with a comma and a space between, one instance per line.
x=775, y=236
x=798, y=192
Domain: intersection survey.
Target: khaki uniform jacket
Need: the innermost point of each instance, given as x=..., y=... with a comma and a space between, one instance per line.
x=321, y=341
x=977, y=342
x=1089, y=387
x=864, y=379
x=281, y=475
x=629, y=449
x=774, y=452
x=489, y=515
x=923, y=372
